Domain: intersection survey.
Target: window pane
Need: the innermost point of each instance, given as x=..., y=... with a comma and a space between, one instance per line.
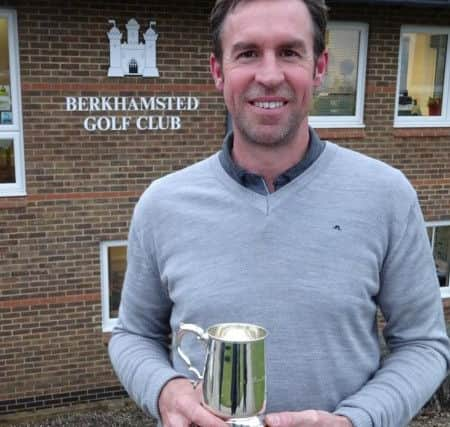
x=117, y=260
x=441, y=252
x=7, y=171
x=337, y=95
x=5, y=84
x=422, y=71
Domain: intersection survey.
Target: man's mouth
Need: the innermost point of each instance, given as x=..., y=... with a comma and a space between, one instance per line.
x=268, y=105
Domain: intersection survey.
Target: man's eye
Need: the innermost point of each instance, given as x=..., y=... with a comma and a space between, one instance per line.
x=247, y=54
x=289, y=53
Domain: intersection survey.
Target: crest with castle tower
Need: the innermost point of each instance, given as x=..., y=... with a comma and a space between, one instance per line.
x=133, y=57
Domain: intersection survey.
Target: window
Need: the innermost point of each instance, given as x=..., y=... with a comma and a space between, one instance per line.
x=423, y=77
x=12, y=174
x=113, y=262
x=339, y=102
x=439, y=234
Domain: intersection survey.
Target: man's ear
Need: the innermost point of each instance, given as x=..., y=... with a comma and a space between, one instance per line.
x=321, y=68
x=216, y=71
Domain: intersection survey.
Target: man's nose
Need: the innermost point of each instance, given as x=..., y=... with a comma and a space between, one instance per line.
x=269, y=72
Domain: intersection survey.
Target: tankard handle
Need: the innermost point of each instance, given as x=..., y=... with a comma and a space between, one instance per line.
x=201, y=335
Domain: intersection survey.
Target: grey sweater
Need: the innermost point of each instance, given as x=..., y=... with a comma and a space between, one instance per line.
x=311, y=263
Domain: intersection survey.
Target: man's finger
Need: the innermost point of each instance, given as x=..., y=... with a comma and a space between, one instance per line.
x=308, y=418
x=292, y=419
x=176, y=420
x=202, y=417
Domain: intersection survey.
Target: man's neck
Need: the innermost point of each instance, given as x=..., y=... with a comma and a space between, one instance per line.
x=270, y=161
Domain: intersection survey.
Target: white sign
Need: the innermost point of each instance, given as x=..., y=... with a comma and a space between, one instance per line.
x=132, y=58
x=146, y=122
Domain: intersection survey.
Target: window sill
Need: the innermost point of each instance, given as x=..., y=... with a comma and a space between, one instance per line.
x=445, y=293
x=329, y=124
x=428, y=125
x=108, y=325
x=12, y=190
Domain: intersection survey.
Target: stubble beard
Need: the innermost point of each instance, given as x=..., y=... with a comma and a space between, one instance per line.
x=269, y=135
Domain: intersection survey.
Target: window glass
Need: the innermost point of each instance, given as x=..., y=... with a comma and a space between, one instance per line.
x=5, y=83
x=422, y=74
x=441, y=253
x=337, y=94
x=7, y=170
x=117, y=260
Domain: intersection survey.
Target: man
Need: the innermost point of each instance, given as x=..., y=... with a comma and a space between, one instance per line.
x=287, y=231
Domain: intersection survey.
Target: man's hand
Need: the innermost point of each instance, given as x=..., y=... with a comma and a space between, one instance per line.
x=180, y=406
x=307, y=419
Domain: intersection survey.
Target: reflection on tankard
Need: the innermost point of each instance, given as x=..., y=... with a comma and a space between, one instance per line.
x=234, y=377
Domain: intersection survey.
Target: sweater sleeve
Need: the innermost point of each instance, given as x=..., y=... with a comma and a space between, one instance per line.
x=415, y=333
x=139, y=346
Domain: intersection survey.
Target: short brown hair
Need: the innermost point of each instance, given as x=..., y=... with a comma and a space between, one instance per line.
x=317, y=9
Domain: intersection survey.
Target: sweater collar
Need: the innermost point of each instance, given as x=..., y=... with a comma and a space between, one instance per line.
x=256, y=182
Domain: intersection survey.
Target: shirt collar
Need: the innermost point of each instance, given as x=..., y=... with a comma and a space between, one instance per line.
x=253, y=181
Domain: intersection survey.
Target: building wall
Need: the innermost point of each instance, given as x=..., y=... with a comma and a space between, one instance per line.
x=82, y=186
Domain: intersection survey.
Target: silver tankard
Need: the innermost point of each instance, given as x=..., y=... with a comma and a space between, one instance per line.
x=234, y=376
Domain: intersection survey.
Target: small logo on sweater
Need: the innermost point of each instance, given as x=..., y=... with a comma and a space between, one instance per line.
x=337, y=227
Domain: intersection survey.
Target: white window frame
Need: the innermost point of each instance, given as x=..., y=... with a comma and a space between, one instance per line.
x=356, y=121
x=445, y=290
x=17, y=188
x=14, y=131
x=424, y=121
x=108, y=322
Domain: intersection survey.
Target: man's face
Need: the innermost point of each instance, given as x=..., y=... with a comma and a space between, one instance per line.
x=268, y=73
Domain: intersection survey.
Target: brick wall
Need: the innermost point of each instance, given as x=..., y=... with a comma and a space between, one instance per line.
x=82, y=186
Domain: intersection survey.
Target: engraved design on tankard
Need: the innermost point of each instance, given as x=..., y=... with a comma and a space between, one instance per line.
x=234, y=376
